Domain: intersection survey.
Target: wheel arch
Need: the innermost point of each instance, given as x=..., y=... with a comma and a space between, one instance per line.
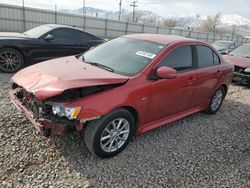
x=225, y=87
x=133, y=111
x=15, y=48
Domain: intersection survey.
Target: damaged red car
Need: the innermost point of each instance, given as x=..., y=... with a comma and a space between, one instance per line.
x=240, y=58
x=122, y=88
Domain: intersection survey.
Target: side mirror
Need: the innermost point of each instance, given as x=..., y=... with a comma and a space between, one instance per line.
x=166, y=73
x=49, y=37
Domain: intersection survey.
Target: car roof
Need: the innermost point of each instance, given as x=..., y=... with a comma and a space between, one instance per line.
x=54, y=26
x=162, y=39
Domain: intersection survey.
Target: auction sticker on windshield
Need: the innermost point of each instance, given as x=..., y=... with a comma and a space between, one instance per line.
x=146, y=54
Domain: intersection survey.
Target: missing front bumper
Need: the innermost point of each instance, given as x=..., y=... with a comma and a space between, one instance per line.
x=44, y=126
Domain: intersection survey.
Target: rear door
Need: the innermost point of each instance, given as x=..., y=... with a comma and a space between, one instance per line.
x=208, y=74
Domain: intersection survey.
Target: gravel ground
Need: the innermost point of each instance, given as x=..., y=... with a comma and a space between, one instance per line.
x=198, y=151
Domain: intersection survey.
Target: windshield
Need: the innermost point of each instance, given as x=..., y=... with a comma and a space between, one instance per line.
x=124, y=56
x=38, y=31
x=222, y=44
x=242, y=51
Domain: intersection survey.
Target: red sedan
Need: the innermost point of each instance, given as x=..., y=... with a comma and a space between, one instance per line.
x=122, y=88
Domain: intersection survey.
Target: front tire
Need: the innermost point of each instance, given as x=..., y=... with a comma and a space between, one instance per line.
x=108, y=136
x=11, y=60
x=216, y=100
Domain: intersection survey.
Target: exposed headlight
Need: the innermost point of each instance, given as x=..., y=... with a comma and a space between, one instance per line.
x=58, y=110
x=62, y=111
x=247, y=70
x=72, y=112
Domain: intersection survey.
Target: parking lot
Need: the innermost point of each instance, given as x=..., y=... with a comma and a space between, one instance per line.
x=198, y=151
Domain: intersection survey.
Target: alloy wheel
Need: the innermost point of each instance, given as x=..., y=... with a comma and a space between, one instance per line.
x=217, y=100
x=115, y=135
x=10, y=61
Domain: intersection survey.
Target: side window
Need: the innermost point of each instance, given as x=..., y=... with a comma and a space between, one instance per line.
x=64, y=36
x=180, y=59
x=232, y=46
x=84, y=37
x=206, y=57
x=216, y=59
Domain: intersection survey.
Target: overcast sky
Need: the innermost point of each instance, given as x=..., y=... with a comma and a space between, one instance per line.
x=162, y=7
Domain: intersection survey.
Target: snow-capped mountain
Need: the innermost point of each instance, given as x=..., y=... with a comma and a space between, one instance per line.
x=234, y=19
x=141, y=15
x=190, y=19
x=195, y=20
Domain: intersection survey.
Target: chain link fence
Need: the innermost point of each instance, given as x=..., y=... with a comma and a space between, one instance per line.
x=16, y=18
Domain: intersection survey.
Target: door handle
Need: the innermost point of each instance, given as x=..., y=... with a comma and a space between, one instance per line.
x=191, y=78
x=218, y=72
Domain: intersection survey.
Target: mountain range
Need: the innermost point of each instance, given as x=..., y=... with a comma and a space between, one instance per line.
x=189, y=19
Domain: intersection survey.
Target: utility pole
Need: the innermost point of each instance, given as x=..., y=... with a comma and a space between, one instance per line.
x=233, y=30
x=84, y=14
x=134, y=6
x=120, y=9
x=24, y=16
x=55, y=13
x=83, y=8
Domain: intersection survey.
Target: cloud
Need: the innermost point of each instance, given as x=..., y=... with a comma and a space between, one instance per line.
x=205, y=7
x=162, y=7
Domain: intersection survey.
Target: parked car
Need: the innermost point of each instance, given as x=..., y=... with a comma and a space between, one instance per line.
x=224, y=47
x=240, y=58
x=123, y=87
x=42, y=43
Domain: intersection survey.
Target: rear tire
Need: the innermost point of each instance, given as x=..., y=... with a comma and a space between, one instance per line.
x=109, y=135
x=11, y=60
x=216, y=100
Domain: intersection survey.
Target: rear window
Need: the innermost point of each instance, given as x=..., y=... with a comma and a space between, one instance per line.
x=206, y=57
x=242, y=51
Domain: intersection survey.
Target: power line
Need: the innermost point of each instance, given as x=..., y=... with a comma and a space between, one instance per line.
x=134, y=6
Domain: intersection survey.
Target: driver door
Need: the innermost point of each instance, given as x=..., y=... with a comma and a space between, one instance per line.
x=173, y=96
x=58, y=43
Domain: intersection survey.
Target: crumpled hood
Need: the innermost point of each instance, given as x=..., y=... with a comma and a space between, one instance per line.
x=238, y=61
x=51, y=78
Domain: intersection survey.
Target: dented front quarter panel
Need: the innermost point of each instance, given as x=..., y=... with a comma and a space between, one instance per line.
x=133, y=95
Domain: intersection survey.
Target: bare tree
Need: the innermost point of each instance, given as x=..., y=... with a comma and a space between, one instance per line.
x=170, y=23
x=212, y=23
x=141, y=19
